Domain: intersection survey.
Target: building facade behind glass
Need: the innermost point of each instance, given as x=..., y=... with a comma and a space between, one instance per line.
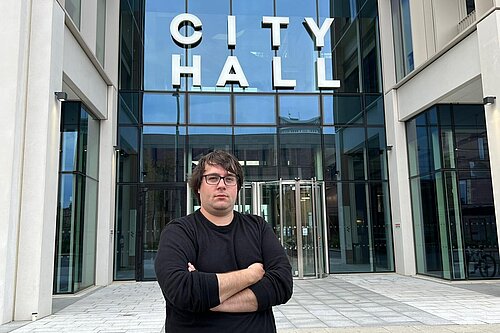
x=322, y=150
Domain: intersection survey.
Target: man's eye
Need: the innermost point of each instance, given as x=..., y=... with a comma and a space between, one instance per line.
x=213, y=178
x=231, y=179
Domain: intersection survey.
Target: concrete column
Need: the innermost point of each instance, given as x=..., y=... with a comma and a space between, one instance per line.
x=399, y=185
x=14, y=35
x=397, y=157
x=35, y=264
x=488, y=31
x=107, y=185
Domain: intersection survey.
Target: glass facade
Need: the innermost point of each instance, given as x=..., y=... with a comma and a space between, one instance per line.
x=77, y=205
x=334, y=136
x=453, y=212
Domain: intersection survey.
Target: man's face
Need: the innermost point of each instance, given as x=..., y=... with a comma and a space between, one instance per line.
x=217, y=199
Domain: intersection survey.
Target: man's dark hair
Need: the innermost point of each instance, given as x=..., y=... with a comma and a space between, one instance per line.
x=218, y=157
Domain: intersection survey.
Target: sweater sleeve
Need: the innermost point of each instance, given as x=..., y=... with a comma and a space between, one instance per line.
x=276, y=287
x=188, y=291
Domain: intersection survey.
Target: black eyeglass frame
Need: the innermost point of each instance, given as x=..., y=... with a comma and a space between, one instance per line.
x=220, y=177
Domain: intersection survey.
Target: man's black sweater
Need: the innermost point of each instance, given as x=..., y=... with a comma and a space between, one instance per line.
x=213, y=249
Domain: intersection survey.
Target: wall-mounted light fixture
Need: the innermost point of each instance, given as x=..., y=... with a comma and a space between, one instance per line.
x=61, y=96
x=489, y=100
x=388, y=147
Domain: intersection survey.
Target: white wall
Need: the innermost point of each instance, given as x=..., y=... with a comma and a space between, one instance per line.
x=448, y=73
x=41, y=156
x=402, y=225
x=14, y=34
x=488, y=31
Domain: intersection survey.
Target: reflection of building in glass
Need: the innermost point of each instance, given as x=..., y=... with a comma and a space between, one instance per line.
x=393, y=171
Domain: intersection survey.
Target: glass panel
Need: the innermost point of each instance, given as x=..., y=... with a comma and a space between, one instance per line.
x=300, y=155
x=290, y=232
x=350, y=246
x=131, y=45
x=209, y=109
x=297, y=66
x=253, y=43
x=77, y=217
x=128, y=167
x=351, y=147
x=160, y=207
x=343, y=110
x=125, y=238
x=309, y=229
x=159, y=46
x=101, y=31
x=203, y=140
x=381, y=227
x=129, y=104
x=88, y=236
x=163, y=108
x=330, y=153
x=163, y=153
x=256, y=149
x=74, y=10
x=254, y=109
x=66, y=215
x=299, y=110
x=472, y=149
x=369, y=51
x=377, y=154
x=346, y=59
x=374, y=109
x=213, y=49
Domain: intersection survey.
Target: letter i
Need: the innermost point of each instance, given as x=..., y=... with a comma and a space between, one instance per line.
x=231, y=31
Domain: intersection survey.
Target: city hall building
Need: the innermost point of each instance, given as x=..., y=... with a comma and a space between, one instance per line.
x=368, y=132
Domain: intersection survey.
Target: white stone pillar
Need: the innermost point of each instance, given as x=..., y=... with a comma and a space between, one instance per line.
x=35, y=265
x=488, y=31
x=14, y=36
x=399, y=185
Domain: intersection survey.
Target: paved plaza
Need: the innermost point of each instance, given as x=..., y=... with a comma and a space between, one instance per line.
x=371, y=303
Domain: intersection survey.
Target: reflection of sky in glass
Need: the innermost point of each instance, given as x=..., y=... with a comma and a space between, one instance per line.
x=158, y=44
x=328, y=110
x=254, y=109
x=163, y=108
x=67, y=190
x=213, y=47
x=297, y=48
x=253, y=43
x=254, y=130
x=209, y=109
x=209, y=130
x=163, y=130
x=299, y=107
x=69, y=151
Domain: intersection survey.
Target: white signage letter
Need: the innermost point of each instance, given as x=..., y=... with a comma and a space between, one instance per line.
x=231, y=31
x=278, y=82
x=176, y=23
x=237, y=75
x=319, y=34
x=276, y=23
x=321, y=76
x=178, y=70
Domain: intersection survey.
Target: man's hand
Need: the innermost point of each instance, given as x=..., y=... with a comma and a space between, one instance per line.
x=256, y=272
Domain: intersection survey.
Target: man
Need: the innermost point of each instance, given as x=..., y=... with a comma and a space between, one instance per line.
x=220, y=270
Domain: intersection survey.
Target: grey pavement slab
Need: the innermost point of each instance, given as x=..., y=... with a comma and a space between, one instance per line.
x=339, y=303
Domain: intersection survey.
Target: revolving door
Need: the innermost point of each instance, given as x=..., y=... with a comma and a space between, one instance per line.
x=295, y=209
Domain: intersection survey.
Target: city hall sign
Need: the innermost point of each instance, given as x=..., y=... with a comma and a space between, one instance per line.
x=232, y=72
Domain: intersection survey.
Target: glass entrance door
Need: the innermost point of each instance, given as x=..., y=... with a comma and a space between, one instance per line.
x=295, y=210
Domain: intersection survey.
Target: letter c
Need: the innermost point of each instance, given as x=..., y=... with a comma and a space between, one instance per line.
x=176, y=23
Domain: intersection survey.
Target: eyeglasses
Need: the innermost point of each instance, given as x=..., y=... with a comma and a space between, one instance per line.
x=214, y=179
